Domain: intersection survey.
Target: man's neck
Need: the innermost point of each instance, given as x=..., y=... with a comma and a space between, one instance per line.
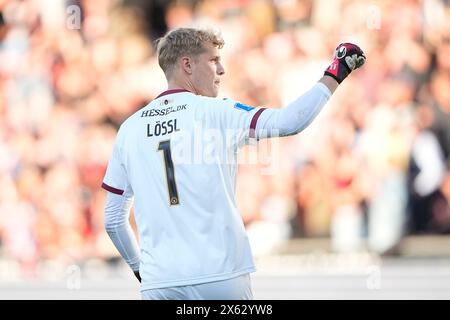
x=186, y=85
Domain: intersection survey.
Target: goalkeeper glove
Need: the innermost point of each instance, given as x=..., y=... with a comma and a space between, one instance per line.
x=347, y=58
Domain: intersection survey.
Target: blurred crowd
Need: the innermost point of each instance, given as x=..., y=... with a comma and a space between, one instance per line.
x=372, y=168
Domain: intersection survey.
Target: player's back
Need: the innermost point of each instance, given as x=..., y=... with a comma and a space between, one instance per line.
x=179, y=162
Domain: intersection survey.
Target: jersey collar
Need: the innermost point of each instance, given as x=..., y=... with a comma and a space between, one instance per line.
x=171, y=92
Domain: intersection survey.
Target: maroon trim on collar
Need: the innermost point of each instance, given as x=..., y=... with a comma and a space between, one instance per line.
x=171, y=91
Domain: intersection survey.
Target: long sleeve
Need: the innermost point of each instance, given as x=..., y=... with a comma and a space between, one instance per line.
x=294, y=117
x=117, y=213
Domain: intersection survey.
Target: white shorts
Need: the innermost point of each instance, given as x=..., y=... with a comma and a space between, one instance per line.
x=238, y=288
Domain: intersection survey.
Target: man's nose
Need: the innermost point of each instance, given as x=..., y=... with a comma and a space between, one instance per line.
x=220, y=70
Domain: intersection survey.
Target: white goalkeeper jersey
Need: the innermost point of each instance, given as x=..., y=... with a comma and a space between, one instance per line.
x=177, y=156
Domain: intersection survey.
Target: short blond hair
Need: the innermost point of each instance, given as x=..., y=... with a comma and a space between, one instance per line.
x=184, y=42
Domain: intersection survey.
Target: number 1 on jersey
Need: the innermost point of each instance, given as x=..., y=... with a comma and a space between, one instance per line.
x=170, y=172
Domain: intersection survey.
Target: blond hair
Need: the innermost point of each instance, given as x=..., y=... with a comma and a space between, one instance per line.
x=184, y=42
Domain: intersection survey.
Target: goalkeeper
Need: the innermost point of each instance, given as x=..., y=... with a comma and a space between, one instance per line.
x=192, y=239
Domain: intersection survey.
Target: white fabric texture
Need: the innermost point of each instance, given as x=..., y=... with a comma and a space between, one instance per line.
x=117, y=213
x=296, y=116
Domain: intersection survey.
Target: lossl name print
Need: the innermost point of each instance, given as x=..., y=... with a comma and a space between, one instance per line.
x=161, y=128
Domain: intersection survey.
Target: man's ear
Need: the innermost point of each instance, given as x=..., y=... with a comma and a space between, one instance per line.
x=186, y=65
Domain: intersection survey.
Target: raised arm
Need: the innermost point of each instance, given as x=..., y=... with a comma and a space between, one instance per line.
x=300, y=113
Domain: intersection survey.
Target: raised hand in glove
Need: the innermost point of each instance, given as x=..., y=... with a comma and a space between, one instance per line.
x=347, y=57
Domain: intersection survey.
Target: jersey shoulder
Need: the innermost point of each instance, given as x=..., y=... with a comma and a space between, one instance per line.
x=225, y=105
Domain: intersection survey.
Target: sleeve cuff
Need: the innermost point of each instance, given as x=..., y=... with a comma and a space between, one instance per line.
x=324, y=89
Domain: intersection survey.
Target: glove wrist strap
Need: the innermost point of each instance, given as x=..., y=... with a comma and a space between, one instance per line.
x=338, y=70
